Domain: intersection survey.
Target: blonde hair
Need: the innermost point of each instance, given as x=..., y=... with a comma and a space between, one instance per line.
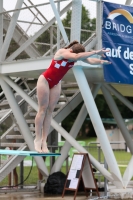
x=76, y=47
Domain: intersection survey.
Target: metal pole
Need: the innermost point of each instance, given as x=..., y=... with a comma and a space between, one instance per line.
x=76, y=17
x=105, y=180
x=1, y=24
x=10, y=31
x=99, y=159
x=99, y=24
x=21, y=174
x=58, y=30
x=59, y=21
x=51, y=40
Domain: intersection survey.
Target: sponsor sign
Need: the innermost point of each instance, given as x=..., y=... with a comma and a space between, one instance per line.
x=117, y=36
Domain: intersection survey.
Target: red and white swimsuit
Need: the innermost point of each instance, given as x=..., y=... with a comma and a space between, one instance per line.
x=56, y=71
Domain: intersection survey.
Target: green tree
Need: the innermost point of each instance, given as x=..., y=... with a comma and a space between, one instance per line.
x=13, y=47
x=45, y=38
x=86, y=24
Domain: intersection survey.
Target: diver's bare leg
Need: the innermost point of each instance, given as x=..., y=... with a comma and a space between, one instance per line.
x=43, y=100
x=53, y=99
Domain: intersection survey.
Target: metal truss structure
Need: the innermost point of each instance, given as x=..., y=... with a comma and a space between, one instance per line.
x=88, y=78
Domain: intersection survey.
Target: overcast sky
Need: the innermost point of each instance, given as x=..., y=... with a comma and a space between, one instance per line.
x=47, y=11
x=89, y=4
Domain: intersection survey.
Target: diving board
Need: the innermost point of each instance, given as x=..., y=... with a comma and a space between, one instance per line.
x=26, y=153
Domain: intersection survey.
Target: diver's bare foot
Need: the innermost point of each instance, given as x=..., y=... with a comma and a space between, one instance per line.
x=37, y=145
x=44, y=147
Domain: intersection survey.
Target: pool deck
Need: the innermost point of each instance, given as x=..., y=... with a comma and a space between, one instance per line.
x=39, y=196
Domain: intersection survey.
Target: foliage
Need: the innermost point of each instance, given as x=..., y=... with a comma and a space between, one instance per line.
x=69, y=120
x=13, y=47
x=104, y=112
x=45, y=38
x=86, y=24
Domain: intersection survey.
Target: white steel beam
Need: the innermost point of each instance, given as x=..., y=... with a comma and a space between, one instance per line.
x=59, y=21
x=25, y=66
x=58, y=30
x=128, y=2
x=10, y=31
x=1, y=25
x=30, y=65
x=99, y=24
x=128, y=174
x=38, y=12
x=33, y=38
x=32, y=68
x=76, y=17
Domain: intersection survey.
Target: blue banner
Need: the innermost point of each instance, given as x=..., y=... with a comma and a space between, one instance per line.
x=117, y=36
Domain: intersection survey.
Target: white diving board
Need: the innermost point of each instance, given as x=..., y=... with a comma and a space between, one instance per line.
x=26, y=153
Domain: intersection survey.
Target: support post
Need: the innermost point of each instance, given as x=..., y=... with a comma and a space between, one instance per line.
x=1, y=24
x=59, y=21
x=58, y=30
x=76, y=17
x=99, y=24
x=21, y=173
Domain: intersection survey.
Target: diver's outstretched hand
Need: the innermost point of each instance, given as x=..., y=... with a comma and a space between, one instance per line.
x=105, y=62
x=102, y=51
